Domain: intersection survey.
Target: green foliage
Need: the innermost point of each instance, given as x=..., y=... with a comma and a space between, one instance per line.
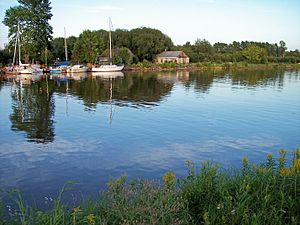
x=256, y=194
x=147, y=42
x=255, y=54
x=5, y=57
x=88, y=46
x=123, y=55
x=36, y=32
x=58, y=47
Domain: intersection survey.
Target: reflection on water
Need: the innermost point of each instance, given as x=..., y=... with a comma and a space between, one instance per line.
x=33, y=109
x=87, y=127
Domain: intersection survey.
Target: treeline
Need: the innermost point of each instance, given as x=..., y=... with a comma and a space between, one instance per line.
x=245, y=51
x=143, y=44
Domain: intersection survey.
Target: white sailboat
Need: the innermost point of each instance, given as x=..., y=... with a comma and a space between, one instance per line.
x=16, y=67
x=111, y=67
x=25, y=68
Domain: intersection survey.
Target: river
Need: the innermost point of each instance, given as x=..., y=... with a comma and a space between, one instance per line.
x=87, y=128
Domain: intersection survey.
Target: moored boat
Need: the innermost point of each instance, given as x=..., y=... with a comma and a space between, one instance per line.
x=111, y=67
x=77, y=69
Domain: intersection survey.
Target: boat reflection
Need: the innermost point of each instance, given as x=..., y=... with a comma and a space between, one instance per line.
x=108, y=75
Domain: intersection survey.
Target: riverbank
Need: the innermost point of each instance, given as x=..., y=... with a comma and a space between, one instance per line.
x=255, y=194
x=147, y=66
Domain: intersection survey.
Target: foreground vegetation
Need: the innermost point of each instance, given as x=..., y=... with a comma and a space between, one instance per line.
x=256, y=194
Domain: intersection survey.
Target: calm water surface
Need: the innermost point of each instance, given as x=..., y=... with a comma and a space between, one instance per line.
x=87, y=128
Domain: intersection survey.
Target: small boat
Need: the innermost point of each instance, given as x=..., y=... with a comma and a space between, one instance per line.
x=59, y=67
x=111, y=67
x=30, y=69
x=77, y=69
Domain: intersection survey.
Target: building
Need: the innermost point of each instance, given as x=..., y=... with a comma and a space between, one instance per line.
x=172, y=56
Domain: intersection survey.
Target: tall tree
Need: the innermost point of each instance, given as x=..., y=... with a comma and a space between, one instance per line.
x=282, y=48
x=33, y=17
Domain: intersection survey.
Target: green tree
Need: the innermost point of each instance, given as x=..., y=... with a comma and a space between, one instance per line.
x=282, y=48
x=255, y=54
x=58, y=48
x=147, y=42
x=88, y=46
x=121, y=38
x=70, y=45
x=220, y=47
x=123, y=55
x=5, y=57
x=203, y=49
x=36, y=33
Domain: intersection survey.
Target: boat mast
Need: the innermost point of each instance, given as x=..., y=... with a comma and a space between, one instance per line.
x=110, y=54
x=66, y=50
x=15, y=50
x=18, y=36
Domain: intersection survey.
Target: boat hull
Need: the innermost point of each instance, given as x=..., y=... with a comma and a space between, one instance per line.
x=108, y=68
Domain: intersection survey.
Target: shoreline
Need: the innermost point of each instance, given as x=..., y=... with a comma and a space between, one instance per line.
x=207, y=66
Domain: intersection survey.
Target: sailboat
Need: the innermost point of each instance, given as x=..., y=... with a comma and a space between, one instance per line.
x=16, y=67
x=26, y=68
x=111, y=67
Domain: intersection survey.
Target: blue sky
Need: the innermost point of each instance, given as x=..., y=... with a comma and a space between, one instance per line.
x=214, y=20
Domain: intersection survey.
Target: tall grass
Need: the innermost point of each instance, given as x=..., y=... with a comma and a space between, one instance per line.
x=255, y=194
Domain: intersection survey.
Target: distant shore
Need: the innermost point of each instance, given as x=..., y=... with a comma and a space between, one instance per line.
x=208, y=66
x=148, y=67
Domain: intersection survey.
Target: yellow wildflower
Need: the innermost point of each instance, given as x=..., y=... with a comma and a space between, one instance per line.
x=169, y=179
x=76, y=210
x=91, y=219
x=285, y=172
x=296, y=166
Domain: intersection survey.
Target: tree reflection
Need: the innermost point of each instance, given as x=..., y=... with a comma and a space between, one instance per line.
x=33, y=109
x=134, y=90
x=202, y=81
x=252, y=78
x=33, y=102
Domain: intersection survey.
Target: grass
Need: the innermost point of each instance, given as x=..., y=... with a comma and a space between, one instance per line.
x=255, y=194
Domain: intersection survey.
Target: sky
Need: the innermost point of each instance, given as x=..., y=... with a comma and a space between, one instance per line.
x=185, y=20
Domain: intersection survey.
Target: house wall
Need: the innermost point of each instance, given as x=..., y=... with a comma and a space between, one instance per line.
x=176, y=60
